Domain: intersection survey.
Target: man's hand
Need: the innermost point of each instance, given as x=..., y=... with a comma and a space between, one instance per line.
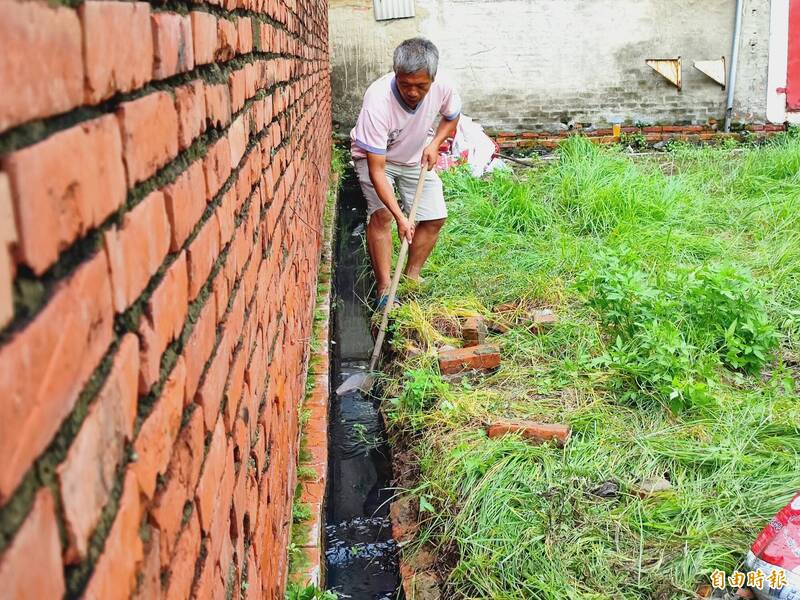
x=430, y=156
x=405, y=229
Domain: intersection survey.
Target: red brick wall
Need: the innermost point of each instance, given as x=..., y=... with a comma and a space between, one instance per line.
x=162, y=179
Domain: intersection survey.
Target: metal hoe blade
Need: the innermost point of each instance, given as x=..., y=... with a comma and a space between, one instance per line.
x=361, y=382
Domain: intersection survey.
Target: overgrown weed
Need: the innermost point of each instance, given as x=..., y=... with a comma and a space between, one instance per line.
x=675, y=356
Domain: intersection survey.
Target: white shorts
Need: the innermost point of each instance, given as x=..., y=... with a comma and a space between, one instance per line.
x=404, y=180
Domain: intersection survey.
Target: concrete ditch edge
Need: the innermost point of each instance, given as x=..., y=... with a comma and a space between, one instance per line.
x=314, y=435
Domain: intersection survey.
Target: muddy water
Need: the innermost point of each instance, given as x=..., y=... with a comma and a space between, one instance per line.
x=361, y=557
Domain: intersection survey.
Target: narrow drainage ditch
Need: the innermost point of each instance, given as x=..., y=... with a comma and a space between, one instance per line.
x=361, y=557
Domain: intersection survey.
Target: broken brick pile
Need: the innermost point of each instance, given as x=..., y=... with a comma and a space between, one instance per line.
x=163, y=173
x=418, y=574
x=650, y=134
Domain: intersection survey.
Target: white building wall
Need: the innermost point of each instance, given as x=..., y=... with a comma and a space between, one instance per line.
x=545, y=64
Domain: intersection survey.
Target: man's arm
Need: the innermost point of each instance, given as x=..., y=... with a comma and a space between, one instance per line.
x=377, y=175
x=445, y=129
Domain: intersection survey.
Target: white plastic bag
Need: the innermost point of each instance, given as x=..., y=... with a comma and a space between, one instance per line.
x=472, y=143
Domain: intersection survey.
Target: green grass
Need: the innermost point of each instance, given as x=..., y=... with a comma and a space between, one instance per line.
x=677, y=286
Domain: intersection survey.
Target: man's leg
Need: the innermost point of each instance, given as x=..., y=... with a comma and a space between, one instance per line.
x=425, y=236
x=379, y=244
x=431, y=215
x=379, y=228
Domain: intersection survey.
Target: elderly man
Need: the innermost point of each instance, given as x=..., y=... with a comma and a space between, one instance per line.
x=392, y=139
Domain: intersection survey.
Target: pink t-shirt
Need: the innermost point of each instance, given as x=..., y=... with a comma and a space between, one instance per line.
x=386, y=125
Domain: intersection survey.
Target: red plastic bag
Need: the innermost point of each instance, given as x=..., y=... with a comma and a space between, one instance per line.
x=778, y=548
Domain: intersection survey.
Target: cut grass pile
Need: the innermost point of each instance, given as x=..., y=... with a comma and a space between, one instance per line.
x=675, y=356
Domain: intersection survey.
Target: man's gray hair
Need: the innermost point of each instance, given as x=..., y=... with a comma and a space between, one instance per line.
x=416, y=54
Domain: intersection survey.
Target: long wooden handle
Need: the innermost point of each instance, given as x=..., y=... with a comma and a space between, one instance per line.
x=401, y=259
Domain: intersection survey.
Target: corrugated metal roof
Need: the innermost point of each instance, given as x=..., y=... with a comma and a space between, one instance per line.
x=393, y=9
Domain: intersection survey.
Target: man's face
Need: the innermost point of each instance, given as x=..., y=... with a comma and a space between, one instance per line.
x=413, y=87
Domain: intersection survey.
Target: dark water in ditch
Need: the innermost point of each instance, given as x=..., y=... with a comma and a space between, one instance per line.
x=361, y=556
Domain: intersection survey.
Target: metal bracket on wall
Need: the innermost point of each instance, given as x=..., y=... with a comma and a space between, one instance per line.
x=715, y=69
x=669, y=68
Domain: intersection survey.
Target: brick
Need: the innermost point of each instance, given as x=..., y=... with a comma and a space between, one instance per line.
x=86, y=477
x=227, y=42
x=532, y=430
x=213, y=470
x=22, y=577
x=172, y=44
x=199, y=346
x=234, y=386
x=51, y=84
x=149, y=585
x=185, y=204
x=6, y=286
x=220, y=521
x=136, y=250
x=217, y=166
x=236, y=83
x=182, y=476
x=204, y=36
x=190, y=102
x=483, y=358
x=237, y=140
x=473, y=331
x=225, y=215
x=8, y=226
x=204, y=582
x=8, y=236
x=153, y=447
x=57, y=200
x=149, y=128
x=244, y=28
x=542, y=320
x=202, y=254
x=218, y=105
x=181, y=572
x=117, y=46
x=221, y=292
x=162, y=321
x=114, y=576
x=209, y=394
x=253, y=591
x=44, y=367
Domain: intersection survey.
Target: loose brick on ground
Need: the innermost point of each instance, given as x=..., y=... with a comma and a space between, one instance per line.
x=473, y=331
x=542, y=320
x=480, y=358
x=532, y=430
